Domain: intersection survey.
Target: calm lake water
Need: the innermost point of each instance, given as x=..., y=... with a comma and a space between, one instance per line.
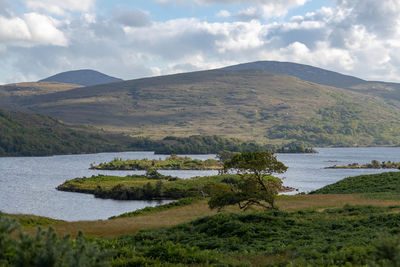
x=27, y=184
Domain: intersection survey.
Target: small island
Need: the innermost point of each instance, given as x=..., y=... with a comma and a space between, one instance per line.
x=373, y=165
x=172, y=162
x=151, y=186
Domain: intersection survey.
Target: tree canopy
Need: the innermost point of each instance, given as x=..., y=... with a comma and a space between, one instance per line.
x=256, y=185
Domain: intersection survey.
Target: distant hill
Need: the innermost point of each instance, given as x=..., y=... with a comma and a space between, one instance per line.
x=82, y=77
x=389, y=92
x=303, y=72
x=246, y=104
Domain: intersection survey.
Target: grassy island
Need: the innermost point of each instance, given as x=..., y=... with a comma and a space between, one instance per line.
x=172, y=162
x=151, y=186
x=142, y=187
x=373, y=165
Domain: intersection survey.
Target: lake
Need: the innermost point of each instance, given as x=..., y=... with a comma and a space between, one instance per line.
x=27, y=184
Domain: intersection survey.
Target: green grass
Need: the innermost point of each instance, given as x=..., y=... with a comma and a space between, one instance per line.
x=346, y=236
x=151, y=210
x=331, y=237
x=383, y=196
x=387, y=182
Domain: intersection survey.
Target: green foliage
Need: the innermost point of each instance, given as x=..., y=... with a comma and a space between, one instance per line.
x=255, y=186
x=33, y=221
x=334, y=237
x=387, y=182
x=225, y=155
x=296, y=147
x=46, y=249
x=257, y=163
x=373, y=165
x=204, y=144
x=348, y=236
x=172, y=162
x=36, y=135
x=150, y=210
x=343, y=124
x=141, y=187
x=387, y=251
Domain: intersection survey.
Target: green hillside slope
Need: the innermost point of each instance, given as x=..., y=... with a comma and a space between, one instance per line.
x=389, y=92
x=247, y=104
x=24, y=134
x=36, y=135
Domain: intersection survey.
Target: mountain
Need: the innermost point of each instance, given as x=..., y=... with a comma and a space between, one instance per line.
x=389, y=92
x=246, y=104
x=82, y=77
x=303, y=72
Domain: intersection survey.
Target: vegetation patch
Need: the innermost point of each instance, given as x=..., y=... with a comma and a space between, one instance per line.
x=172, y=162
x=150, y=210
x=30, y=221
x=36, y=135
x=332, y=237
x=387, y=182
x=44, y=248
x=143, y=187
x=373, y=165
x=212, y=144
x=348, y=236
x=343, y=124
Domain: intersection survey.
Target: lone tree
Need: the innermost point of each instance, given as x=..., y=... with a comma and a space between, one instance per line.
x=256, y=185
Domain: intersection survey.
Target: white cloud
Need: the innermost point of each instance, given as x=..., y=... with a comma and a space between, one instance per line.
x=350, y=37
x=13, y=29
x=59, y=7
x=223, y=14
x=44, y=30
x=31, y=29
x=267, y=8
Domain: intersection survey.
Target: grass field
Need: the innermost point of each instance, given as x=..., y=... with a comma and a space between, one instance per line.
x=349, y=229
x=174, y=216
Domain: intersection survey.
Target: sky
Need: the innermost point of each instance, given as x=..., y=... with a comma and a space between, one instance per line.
x=131, y=39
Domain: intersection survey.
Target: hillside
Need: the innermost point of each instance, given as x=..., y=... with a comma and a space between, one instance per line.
x=301, y=71
x=36, y=135
x=35, y=88
x=387, y=182
x=24, y=134
x=389, y=92
x=82, y=77
x=246, y=104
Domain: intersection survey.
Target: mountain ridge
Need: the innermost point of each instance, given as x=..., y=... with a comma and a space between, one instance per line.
x=389, y=91
x=301, y=71
x=246, y=104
